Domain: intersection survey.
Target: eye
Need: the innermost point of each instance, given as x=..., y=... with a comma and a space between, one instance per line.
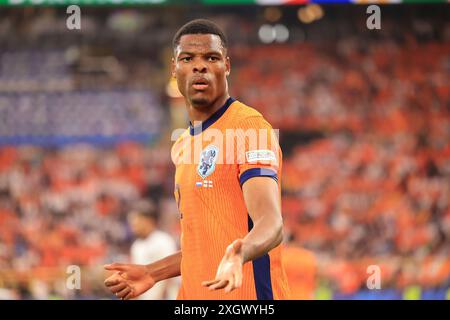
x=213, y=58
x=186, y=59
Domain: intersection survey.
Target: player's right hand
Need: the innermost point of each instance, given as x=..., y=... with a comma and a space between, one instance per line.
x=129, y=280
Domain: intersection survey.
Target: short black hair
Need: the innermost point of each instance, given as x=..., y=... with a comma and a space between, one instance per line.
x=199, y=26
x=145, y=208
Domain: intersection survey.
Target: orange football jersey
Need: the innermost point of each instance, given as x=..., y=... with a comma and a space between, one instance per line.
x=213, y=160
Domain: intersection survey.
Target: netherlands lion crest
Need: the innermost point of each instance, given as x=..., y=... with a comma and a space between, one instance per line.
x=207, y=162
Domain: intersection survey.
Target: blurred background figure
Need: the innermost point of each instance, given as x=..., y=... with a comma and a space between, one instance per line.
x=300, y=266
x=151, y=245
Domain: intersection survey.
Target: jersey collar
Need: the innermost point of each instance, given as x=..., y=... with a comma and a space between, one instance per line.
x=213, y=118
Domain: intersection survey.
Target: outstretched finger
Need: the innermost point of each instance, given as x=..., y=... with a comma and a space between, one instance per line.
x=116, y=267
x=230, y=286
x=113, y=280
x=219, y=285
x=123, y=293
x=118, y=288
x=209, y=282
x=129, y=295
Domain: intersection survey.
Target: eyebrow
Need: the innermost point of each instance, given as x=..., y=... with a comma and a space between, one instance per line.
x=206, y=53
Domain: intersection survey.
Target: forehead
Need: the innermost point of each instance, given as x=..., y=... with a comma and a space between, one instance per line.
x=133, y=215
x=197, y=43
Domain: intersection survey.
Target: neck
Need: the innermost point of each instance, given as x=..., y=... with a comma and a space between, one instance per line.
x=148, y=232
x=202, y=113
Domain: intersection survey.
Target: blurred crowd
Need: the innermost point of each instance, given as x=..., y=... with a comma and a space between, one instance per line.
x=69, y=206
x=365, y=130
x=374, y=185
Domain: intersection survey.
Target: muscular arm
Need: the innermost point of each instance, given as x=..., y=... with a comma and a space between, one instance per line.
x=132, y=280
x=165, y=268
x=261, y=197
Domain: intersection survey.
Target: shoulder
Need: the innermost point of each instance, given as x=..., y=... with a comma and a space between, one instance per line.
x=179, y=135
x=243, y=111
x=247, y=117
x=180, y=138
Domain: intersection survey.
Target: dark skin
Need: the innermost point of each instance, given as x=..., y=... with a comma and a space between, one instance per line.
x=201, y=66
x=201, y=58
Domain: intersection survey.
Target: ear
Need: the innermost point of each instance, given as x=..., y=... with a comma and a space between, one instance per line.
x=173, y=67
x=228, y=66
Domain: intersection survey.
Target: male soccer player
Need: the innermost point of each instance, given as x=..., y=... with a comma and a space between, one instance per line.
x=229, y=197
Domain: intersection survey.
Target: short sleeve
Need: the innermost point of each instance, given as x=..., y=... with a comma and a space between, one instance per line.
x=258, y=150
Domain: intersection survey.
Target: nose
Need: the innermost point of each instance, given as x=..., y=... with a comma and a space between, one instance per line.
x=199, y=66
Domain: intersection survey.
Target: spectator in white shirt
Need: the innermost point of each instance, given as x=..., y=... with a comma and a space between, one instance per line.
x=151, y=245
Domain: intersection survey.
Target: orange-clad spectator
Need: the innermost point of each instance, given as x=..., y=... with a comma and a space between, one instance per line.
x=301, y=268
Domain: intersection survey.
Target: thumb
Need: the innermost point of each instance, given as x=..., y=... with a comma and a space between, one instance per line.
x=116, y=267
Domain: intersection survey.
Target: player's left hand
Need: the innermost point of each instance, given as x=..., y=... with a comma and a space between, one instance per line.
x=229, y=273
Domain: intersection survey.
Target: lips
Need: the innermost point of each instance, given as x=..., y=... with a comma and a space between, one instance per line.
x=200, y=84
